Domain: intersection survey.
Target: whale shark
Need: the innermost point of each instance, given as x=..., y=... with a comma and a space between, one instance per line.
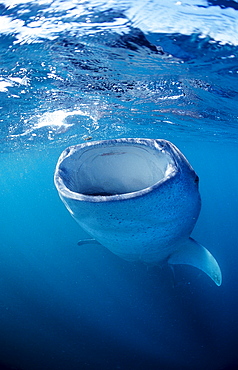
x=137, y=197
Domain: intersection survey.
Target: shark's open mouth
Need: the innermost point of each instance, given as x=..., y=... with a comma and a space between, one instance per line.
x=115, y=167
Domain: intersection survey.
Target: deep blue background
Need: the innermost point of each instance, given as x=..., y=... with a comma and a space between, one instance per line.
x=64, y=306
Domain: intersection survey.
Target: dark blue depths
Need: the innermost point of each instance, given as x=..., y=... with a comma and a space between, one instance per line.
x=64, y=306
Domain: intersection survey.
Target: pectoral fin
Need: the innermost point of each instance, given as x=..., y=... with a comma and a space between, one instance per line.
x=88, y=241
x=196, y=255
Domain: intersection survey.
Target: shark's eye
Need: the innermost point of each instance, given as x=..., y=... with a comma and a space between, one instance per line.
x=196, y=180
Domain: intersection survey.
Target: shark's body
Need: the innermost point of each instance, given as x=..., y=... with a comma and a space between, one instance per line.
x=137, y=197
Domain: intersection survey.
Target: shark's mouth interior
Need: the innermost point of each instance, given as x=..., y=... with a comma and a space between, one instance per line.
x=118, y=169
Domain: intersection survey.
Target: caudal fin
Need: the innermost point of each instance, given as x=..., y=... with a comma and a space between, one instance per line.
x=196, y=255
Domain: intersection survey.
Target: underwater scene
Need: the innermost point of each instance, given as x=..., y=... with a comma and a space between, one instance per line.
x=75, y=72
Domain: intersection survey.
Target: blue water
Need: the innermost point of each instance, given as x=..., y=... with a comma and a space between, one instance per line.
x=93, y=70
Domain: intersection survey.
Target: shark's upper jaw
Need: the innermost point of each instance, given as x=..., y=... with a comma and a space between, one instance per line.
x=117, y=167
